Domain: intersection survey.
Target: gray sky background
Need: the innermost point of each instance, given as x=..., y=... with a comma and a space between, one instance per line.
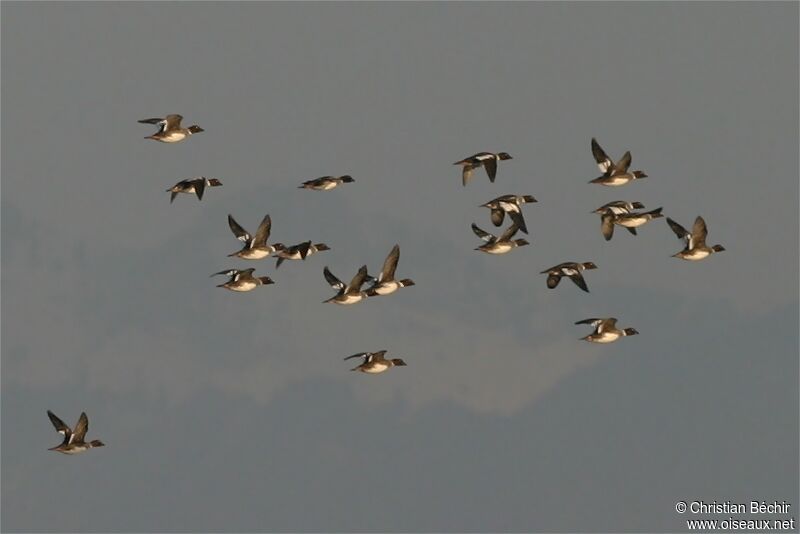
x=235, y=412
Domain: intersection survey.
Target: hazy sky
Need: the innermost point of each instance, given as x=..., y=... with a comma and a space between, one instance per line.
x=235, y=412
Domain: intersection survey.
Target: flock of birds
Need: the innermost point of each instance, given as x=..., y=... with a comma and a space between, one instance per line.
x=255, y=246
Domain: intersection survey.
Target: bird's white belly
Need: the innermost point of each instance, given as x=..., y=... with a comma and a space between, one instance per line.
x=501, y=248
x=509, y=207
x=173, y=137
x=377, y=368
x=616, y=181
x=606, y=337
x=254, y=254
x=349, y=299
x=387, y=288
x=243, y=286
x=632, y=223
x=696, y=255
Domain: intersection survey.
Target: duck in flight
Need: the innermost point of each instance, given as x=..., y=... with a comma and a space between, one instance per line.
x=170, y=130
x=618, y=207
x=386, y=284
x=499, y=245
x=696, y=248
x=73, y=439
x=243, y=280
x=487, y=160
x=299, y=252
x=255, y=247
x=193, y=185
x=630, y=221
x=571, y=270
x=511, y=205
x=325, y=183
x=374, y=362
x=614, y=174
x=605, y=330
x=350, y=293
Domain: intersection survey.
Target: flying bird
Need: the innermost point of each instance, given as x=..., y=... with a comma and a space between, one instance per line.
x=299, y=252
x=487, y=160
x=499, y=245
x=571, y=270
x=630, y=221
x=350, y=293
x=386, y=284
x=605, y=330
x=255, y=246
x=696, y=248
x=614, y=174
x=510, y=204
x=73, y=440
x=325, y=183
x=618, y=207
x=374, y=362
x=170, y=130
x=243, y=280
x=192, y=185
